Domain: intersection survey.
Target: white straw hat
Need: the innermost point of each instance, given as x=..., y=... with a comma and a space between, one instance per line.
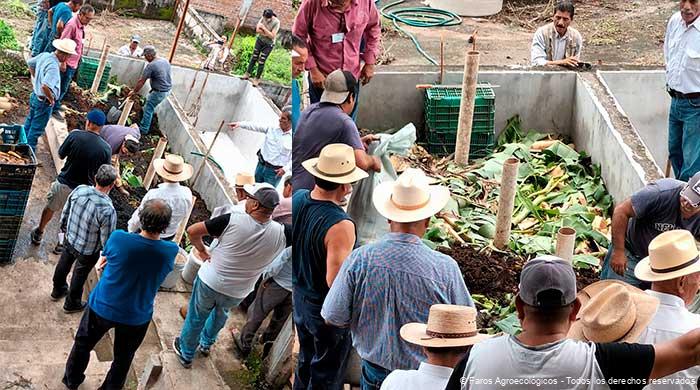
x=335, y=164
x=448, y=326
x=410, y=198
x=672, y=254
x=67, y=46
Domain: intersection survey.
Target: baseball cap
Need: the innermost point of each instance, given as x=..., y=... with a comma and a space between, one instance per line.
x=692, y=191
x=264, y=193
x=547, y=281
x=268, y=13
x=337, y=87
x=135, y=38
x=96, y=117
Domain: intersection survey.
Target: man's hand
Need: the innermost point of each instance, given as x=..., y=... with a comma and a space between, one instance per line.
x=63, y=66
x=570, y=62
x=204, y=255
x=123, y=190
x=367, y=73
x=102, y=263
x=377, y=166
x=366, y=140
x=317, y=78
x=618, y=261
x=279, y=172
x=233, y=125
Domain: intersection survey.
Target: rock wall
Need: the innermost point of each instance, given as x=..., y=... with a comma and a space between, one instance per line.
x=152, y=9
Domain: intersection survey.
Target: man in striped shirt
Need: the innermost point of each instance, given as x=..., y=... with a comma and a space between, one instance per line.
x=88, y=219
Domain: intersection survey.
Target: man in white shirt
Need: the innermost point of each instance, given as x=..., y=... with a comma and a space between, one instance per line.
x=132, y=49
x=682, y=57
x=557, y=43
x=275, y=156
x=446, y=338
x=173, y=170
x=676, y=251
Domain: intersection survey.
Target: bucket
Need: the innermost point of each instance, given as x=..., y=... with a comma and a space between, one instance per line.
x=171, y=280
x=469, y=7
x=191, y=267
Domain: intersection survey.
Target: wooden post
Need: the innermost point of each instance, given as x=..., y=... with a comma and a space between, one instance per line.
x=125, y=113
x=442, y=59
x=506, y=202
x=466, y=110
x=206, y=156
x=668, y=168
x=87, y=52
x=189, y=91
x=157, y=153
x=566, y=241
x=183, y=224
x=180, y=23
x=100, y=68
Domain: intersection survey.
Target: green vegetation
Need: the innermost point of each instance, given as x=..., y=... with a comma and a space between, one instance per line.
x=278, y=67
x=12, y=70
x=7, y=37
x=15, y=8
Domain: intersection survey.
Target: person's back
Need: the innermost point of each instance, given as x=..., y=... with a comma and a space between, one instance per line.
x=114, y=135
x=136, y=266
x=159, y=72
x=317, y=217
x=244, y=250
x=319, y=125
x=84, y=152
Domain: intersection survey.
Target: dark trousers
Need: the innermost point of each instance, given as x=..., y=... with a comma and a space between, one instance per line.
x=83, y=265
x=315, y=96
x=260, y=53
x=271, y=297
x=323, y=349
x=127, y=339
x=373, y=375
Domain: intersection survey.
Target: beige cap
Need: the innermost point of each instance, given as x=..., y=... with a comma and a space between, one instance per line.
x=336, y=88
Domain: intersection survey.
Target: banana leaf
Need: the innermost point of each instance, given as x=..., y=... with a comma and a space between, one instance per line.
x=585, y=261
x=510, y=325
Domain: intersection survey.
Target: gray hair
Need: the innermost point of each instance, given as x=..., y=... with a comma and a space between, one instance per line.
x=287, y=110
x=155, y=216
x=86, y=9
x=149, y=51
x=106, y=175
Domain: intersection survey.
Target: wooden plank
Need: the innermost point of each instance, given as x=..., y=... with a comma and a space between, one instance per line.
x=157, y=153
x=183, y=223
x=126, y=112
x=100, y=68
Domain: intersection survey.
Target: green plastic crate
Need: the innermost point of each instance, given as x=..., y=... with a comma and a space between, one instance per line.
x=87, y=71
x=442, y=107
x=481, y=145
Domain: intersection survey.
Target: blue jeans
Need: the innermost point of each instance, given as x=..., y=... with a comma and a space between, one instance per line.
x=35, y=124
x=323, y=349
x=206, y=315
x=632, y=260
x=66, y=78
x=372, y=375
x=265, y=174
x=315, y=96
x=684, y=137
x=153, y=100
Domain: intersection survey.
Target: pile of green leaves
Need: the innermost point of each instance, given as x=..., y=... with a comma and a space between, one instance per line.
x=278, y=67
x=130, y=178
x=7, y=37
x=556, y=187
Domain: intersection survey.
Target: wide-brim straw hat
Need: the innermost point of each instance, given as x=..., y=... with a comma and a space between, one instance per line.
x=244, y=178
x=173, y=168
x=335, y=164
x=410, y=198
x=672, y=254
x=67, y=46
x=448, y=326
x=613, y=311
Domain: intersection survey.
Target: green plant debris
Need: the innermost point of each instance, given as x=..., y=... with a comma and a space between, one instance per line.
x=130, y=178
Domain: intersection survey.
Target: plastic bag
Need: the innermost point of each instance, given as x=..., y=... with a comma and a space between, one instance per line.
x=369, y=223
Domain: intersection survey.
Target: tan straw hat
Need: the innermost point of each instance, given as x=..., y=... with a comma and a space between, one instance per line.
x=335, y=164
x=410, y=198
x=614, y=312
x=65, y=45
x=173, y=168
x=243, y=179
x=448, y=326
x=672, y=254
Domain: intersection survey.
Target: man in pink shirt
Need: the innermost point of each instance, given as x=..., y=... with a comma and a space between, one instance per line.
x=75, y=31
x=334, y=31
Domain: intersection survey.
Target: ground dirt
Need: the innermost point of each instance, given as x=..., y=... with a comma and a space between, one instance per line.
x=613, y=32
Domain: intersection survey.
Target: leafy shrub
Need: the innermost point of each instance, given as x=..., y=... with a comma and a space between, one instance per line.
x=7, y=37
x=278, y=67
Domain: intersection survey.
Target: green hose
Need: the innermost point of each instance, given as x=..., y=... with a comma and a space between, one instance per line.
x=209, y=158
x=419, y=17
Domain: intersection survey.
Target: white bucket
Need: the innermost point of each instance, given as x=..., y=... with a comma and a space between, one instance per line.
x=191, y=267
x=469, y=7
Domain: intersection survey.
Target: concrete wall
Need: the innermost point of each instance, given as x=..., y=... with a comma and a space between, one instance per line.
x=647, y=111
x=391, y=99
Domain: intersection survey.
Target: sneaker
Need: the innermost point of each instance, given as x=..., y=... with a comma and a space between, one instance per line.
x=204, y=350
x=58, y=249
x=36, y=236
x=176, y=347
x=256, y=82
x=70, y=309
x=58, y=295
x=239, y=346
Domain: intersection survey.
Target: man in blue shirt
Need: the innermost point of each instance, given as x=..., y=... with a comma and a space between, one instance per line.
x=396, y=280
x=134, y=267
x=58, y=16
x=159, y=72
x=45, y=69
x=300, y=53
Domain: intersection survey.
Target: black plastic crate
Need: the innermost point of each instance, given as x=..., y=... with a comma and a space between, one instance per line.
x=13, y=203
x=9, y=227
x=17, y=177
x=13, y=134
x=7, y=247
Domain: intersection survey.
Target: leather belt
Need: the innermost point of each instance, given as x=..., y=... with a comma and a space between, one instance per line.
x=678, y=95
x=262, y=161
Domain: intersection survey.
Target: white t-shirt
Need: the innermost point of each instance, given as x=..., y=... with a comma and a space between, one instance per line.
x=244, y=249
x=426, y=377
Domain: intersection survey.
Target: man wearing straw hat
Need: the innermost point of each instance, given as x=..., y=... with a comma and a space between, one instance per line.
x=173, y=170
x=445, y=338
x=673, y=269
x=320, y=247
x=395, y=280
x=542, y=356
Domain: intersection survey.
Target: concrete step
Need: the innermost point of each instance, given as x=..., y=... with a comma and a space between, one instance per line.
x=43, y=375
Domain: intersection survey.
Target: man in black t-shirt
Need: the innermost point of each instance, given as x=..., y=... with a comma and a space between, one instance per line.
x=84, y=152
x=542, y=357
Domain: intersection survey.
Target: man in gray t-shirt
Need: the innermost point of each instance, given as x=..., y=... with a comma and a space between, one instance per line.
x=663, y=205
x=159, y=73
